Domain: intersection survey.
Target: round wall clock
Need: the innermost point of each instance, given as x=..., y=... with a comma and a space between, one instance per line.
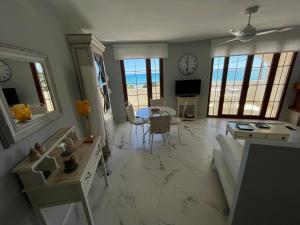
x=187, y=64
x=5, y=71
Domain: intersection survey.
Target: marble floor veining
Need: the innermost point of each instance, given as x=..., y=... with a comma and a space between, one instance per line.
x=173, y=186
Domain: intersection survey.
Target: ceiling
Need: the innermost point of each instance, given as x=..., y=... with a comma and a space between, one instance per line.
x=171, y=20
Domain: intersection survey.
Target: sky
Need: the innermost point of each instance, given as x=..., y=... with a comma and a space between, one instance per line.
x=139, y=65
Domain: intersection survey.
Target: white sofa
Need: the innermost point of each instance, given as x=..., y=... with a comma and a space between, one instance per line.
x=226, y=161
x=260, y=180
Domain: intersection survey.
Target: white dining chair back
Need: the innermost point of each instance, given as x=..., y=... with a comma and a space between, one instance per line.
x=130, y=113
x=134, y=120
x=157, y=102
x=160, y=125
x=177, y=121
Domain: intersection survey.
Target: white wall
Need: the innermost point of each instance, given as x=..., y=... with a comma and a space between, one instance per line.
x=22, y=81
x=34, y=25
x=201, y=49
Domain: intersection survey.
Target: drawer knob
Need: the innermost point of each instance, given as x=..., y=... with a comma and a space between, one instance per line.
x=88, y=175
x=283, y=138
x=250, y=135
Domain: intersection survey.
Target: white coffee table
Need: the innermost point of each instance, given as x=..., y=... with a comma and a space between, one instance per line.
x=277, y=131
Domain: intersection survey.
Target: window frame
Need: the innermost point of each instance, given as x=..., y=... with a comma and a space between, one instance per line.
x=245, y=85
x=37, y=83
x=149, y=79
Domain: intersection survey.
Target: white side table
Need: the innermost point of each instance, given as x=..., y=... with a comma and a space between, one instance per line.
x=192, y=101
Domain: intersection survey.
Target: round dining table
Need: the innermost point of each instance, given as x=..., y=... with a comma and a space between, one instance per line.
x=146, y=112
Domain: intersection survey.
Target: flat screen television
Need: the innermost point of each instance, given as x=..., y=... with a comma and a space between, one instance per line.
x=187, y=88
x=11, y=96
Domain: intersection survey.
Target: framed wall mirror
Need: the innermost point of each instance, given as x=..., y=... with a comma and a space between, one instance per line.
x=28, y=98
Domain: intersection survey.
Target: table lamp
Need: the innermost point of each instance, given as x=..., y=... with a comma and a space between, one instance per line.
x=83, y=108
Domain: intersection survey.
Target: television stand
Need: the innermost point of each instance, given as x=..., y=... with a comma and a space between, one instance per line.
x=189, y=101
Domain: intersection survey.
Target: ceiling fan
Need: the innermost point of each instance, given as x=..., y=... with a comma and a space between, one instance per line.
x=249, y=32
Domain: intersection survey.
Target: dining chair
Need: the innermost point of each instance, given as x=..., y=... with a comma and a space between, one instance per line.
x=177, y=121
x=157, y=102
x=134, y=120
x=159, y=125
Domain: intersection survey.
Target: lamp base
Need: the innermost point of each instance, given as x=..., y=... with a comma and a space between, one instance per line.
x=89, y=139
x=66, y=153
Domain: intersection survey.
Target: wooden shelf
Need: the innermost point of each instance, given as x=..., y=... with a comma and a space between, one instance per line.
x=188, y=118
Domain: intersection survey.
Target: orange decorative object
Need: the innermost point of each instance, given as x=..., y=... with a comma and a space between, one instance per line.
x=83, y=107
x=21, y=112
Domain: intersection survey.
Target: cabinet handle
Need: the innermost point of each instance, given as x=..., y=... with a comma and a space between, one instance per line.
x=88, y=175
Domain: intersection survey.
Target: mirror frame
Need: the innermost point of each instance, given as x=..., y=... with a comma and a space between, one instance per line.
x=9, y=131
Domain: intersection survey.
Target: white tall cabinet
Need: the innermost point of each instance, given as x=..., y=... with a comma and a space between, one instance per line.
x=87, y=52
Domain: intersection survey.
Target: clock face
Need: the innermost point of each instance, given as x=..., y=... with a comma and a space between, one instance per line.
x=187, y=64
x=5, y=71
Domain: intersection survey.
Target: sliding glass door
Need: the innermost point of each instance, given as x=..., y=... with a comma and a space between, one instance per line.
x=281, y=79
x=142, y=80
x=257, y=84
x=234, y=84
x=136, y=82
x=249, y=86
x=215, y=87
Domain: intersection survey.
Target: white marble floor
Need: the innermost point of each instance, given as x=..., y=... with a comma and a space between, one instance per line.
x=172, y=186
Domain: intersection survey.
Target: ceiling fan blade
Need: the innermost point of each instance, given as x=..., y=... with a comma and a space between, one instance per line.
x=286, y=29
x=235, y=32
x=276, y=30
x=266, y=32
x=225, y=42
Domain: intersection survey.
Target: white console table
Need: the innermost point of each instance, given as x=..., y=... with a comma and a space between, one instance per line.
x=192, y=101
x=60, y=187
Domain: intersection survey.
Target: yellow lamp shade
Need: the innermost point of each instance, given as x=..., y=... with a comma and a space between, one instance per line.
x=21, y=112
x=83, y=107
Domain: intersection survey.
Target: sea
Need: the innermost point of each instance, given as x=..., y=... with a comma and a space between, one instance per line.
x=139, y=80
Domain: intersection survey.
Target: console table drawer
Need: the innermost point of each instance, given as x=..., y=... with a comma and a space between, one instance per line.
x=251, y=135
x=278, y=137
x=91, y=170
